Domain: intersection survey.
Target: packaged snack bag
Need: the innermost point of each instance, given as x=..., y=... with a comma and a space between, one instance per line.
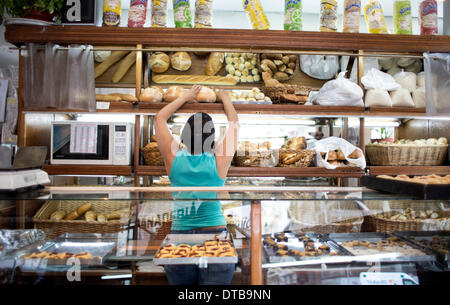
x=402, y=17
x=328, y=15
x=137, y=13
x=293, y=13
x=182, y=13
x=352, y=16
x=203, y=13
x=373, y=13
x=256, y=15
x=111, y=12
x=159, y=13
x=428, y=17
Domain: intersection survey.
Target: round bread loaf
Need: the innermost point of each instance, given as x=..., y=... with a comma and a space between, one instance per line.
x=181, y=61
x=206, y=95
x=173, y=93
x=159, y=62
x=152, y=95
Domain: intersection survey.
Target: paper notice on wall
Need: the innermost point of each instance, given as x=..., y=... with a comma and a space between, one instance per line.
x=3, y=95
x=83, y=138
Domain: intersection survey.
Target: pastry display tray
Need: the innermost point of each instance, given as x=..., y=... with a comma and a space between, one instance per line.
x=374, y=255
x=98, y=245
x=191, y=240
x=422, y=191
x=14, y=240
x=428, y=236
x=293, y=243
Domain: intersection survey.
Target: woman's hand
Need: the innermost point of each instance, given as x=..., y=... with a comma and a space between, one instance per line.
x=223, y=95
x=191, y=94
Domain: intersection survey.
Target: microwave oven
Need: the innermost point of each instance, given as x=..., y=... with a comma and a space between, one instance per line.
x=74, y=142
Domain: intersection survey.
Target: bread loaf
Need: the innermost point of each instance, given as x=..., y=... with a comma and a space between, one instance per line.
x=215, y=63
x=206, y=95
x=58, y=215
x=84, y=208
x=194, y=80
x=181, y=61
x=152, y=95
x=72, y=215
x=159, y=62
x=107, y=98
x=111, y=60
x=119, y=214
x=124, y=66
x=125, y=97
x=90, y=216
x=173, y=93
x=101, y=218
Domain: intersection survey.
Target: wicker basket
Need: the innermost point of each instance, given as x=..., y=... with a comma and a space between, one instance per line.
x=399, y=155
x=152, y=156
x=266, y=158
x=155, y=218
x=325, y=217
x=54, y=228
x=378, y=209
x=276, y=93
x=305, y=157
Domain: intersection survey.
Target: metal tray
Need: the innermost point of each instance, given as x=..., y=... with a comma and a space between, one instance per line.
x=194, y=239
x=339, y=238
x=423, y=191
x=426, y=235
x=14, y=240
x=293, y=243
x=96, y=244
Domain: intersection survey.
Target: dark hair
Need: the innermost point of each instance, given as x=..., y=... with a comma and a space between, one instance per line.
x=198, y=134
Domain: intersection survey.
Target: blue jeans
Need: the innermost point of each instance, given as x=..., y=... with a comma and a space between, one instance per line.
x=214, y=274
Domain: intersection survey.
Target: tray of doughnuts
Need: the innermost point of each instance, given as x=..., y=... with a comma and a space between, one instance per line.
x=287, y=247
x=424, y=187
x=198, y=249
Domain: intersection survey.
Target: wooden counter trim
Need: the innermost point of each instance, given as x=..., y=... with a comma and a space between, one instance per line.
x=226, y=38
x=94, y=170
x=409, y=170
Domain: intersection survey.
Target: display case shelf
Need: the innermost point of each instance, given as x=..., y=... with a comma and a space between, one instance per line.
x=94, y=170
x=408, y=170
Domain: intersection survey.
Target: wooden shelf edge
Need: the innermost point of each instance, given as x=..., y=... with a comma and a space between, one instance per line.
x=91, y=170
x=408, y=170
x=143, y=170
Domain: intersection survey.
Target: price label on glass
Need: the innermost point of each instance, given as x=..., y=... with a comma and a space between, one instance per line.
x=78, y=12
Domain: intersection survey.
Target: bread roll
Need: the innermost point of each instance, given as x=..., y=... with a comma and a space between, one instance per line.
x=84, y=208
x=332, y=156
x=206, y=95
x=72, y=215
x=58, y=215
x=152, y=95
x=119, y=214
x=181, y=61
x=90, y=216
x=173, y=93
x=159, y=62
x=215, y=63
x=356, y=154
x=101, y=218
x=340, y=155
x=194, y=80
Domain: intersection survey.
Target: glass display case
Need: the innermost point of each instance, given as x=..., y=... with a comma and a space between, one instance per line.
x=280, y=235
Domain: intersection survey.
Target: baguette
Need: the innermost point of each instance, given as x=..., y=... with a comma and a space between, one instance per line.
x=107, y=98
x=72, y=215
x=125, y=97
x=194, y=80
x=119, y=214
x=58, y=215
x=124, y=66
x=84, y=208
x=111, y=60
x=215, y=63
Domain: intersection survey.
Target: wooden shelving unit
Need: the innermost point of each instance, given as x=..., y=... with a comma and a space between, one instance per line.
x=408, y=170
x=169, y=39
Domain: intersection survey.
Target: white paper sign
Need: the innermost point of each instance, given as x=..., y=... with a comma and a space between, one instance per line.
x=3, y=95
x=83, y=138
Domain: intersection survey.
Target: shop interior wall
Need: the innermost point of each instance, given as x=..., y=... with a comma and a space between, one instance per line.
x=423, y=129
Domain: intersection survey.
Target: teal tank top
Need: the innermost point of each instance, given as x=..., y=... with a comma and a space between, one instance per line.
x=189, y=212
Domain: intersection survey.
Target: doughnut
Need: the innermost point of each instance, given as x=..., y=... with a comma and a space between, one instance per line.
x=210, y=243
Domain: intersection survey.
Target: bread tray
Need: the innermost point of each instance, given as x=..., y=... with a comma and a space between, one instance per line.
x=98, y=245
x=375, y=255
x=194, y=239
x=426, y=235
x=293, y=243
x=422, y=191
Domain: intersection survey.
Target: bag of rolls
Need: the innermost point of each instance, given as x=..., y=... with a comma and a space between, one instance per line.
x=151, y=95
x=335, y=152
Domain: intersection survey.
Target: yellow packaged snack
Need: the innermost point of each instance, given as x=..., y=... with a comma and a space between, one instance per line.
x=373, y=13
x=256, y=15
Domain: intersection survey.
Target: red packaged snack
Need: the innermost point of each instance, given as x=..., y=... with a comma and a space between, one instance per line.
x=137, y=13
x=428, y=17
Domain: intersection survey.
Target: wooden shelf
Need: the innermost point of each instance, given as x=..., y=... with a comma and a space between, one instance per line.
x=397, y=111
x=267, y=172
x=409, y=170
x=94, y=170
x=225, y=38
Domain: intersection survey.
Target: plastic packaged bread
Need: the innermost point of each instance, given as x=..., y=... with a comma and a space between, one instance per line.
x=328, y=15
x=256, y=15
x=428, y=17
x=293, y=14
x=402, y=17
x=194, y=80
x=111, y=12
x=182, y=13
x=137, y=13
x=203, y=13
x=159, y=13
x=352, y=16
x=373, y=13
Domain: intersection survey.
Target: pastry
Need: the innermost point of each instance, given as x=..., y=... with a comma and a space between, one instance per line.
x=356, y=154
x=340, y=155
x=159, y=62
x=152, y=95
x=181, y=61
x=195, y=80
x=324, y=248
x=101, y=218
x=332, y=155
x=90, y=216
x=173, y=93
x=215, y=63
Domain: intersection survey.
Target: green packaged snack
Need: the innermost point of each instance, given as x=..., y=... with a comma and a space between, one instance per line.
x=293, y=14
x=182, y=14
x=402, y=17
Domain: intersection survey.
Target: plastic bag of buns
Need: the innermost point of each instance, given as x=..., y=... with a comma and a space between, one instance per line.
x=334, y=152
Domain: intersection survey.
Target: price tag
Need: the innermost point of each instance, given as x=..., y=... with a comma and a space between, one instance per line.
x=103, y=105
x=79, y=12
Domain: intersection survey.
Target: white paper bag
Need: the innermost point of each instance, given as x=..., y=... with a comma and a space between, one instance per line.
x=334, y=143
